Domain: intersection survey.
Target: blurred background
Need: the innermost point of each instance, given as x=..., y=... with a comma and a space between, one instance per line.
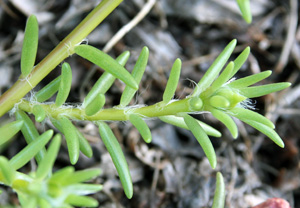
x=172, y=170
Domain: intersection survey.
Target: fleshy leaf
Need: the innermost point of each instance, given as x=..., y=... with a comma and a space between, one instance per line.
x=269, y=132
x=244, y=6
x=29, y=132
x=105, y=81
x=249, y=80
x=224, y=76
x=81, y=176
x=95, y=105
x=45, y=167
x=85, y=189
x=219, y=198
x=30, y=44
x=172, y=81
x=226, y=120
x=202, y=138
x=257, y=91
x=65, y=85
x=251, y=115
x=215, y=68
x=7, y=172
x=39, y=113
x=49, y=90
x=141, y=126
x=113, y=147
x=81, y=201
x=137, y=74
x=107, y=63
x=9, y=130
x=84, y=145
x=26, y=154
x=219, y=101
x=69, y=130
x=179, y=122
x=240, y=60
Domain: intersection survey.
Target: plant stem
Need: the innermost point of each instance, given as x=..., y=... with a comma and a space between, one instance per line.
x=113, y=114
x=56, y=56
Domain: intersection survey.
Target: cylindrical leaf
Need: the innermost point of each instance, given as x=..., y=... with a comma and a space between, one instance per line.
x=249, y=80
x=245, y=10
x=84, y=145
x=141, y=126
x=6, y=171
x=215, y=68
x=81, y=201
x=137, y=74
x=81, y=176
x=226, y=120
x=49, y=90
x=107, y=63
x=240, y=60
x=250, y=115
x=202, y=138
x=9, y=130
x=30, y=44
x=179, y=122
x=71, y=138
x=95, y=105
x=113, y=147
x=257, y=91
x=65, y=84
x=105, y=81
x=20, y=159
x=219, y=198
x=224, y=76
x=45, y=167
x=29, y=132
x=39, y=113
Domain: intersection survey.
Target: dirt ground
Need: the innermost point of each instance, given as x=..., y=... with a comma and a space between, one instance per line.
x=172, y=170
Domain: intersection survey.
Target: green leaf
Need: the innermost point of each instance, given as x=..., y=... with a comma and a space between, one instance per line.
x=49, y=90
x=81, y=176
x=202, y=138
x=244, y=6
x=107, y=63
x=113, y=147
x=65, y=85
x=249, y=80
x=95, y=105
x=137, y=74
x=141, y=126
x=39, y=113
x=215, y=68
x=224, y=76
x=257, y=91
x=179, y=122
x=226, y=120
x=26, y=154
x=7, y=173
x=61, y=175
x=240, y=60
x=105, y=81
x=219, y=198
x=30, y=44
x=45, y=167
x=29, y=132
x=81, y=201
x=269, y=132
x=69, y=130
x=251, y=115
x=84, y=145
x=9, y=130
x=172, y=81
x=85, y=189
x=219, y=101
x=195, y=104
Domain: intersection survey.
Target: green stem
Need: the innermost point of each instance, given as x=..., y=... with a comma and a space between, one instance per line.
x=113, y=114
x=56, y=56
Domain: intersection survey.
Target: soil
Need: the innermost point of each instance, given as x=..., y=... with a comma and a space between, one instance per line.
x=172, y=171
